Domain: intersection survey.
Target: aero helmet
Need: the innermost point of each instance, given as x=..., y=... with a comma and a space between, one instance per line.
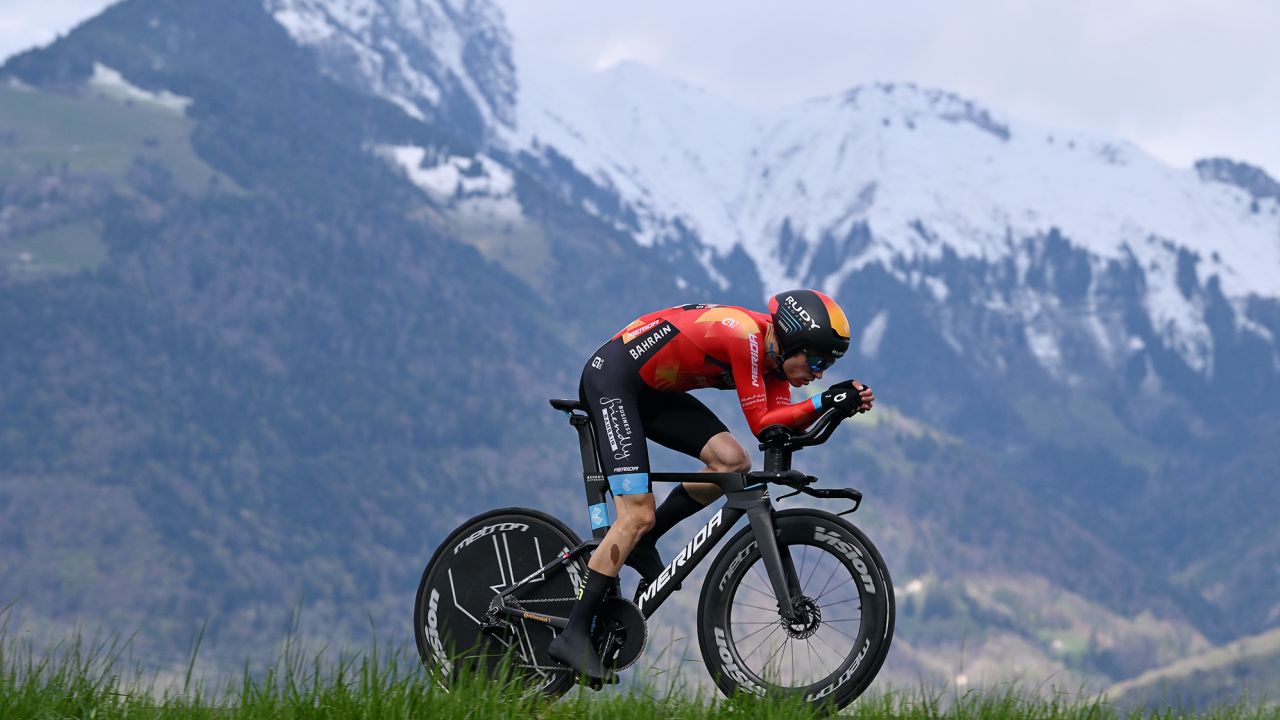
x=809, y=321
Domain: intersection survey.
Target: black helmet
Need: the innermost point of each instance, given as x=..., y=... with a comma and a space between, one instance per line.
x=810, y=321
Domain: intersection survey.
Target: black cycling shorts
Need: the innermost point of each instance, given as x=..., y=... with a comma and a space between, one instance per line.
x=625, y=411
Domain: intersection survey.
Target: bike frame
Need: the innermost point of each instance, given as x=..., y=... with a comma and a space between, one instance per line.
x=745, y=494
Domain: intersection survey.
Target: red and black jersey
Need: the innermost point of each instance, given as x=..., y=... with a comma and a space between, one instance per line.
x=716, y=346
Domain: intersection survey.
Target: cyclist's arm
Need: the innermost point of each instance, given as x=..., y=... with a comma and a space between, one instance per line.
x=766, y=400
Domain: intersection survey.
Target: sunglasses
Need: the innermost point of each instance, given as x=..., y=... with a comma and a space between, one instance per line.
x=818, y=363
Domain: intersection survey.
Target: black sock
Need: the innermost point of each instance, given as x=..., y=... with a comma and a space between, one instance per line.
x=588, y=602
x=678, y=506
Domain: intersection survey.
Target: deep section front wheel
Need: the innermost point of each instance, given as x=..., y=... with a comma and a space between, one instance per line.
x=484, y=555
x=832, y=648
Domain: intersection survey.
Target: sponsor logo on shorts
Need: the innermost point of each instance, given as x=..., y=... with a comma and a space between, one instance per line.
x=617, y=429
x=632, y=484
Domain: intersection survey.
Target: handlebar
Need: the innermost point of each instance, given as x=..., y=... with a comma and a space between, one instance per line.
x=799, y=483
x=782, y=437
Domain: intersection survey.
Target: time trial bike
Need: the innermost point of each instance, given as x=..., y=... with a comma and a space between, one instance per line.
x=797, y=602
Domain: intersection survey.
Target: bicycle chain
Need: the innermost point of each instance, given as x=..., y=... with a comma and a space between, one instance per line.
x=520, y=602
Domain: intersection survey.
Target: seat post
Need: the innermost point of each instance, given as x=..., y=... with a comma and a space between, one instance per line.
x=593, y=479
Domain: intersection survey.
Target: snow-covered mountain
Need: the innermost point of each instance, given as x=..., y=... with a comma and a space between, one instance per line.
x=917, y=173
x=890, y=175
x=419, y=54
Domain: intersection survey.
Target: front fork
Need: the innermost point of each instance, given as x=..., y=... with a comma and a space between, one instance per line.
x=780, y=565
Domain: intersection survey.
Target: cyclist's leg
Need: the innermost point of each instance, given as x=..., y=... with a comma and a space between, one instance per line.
x=722, y=453
x=611, y=394
x=681, y=422
x=608, y=391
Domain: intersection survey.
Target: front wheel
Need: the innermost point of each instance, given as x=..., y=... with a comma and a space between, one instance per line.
x=831, y=651
x=484, y=555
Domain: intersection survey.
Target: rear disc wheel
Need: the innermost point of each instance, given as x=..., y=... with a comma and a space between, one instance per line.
x=481, y=557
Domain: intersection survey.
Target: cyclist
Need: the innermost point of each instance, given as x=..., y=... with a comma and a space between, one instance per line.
x=636, y=387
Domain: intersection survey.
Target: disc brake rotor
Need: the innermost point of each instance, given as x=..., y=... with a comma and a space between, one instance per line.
x=807, y=621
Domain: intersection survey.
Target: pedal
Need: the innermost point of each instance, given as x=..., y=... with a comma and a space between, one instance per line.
x=598, y=684
x=640, y=588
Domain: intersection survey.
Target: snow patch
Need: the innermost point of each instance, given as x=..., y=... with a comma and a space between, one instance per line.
x=112, y=84
x=869, y=345
x=455, y=175
x=1178, y=320
x=1044, y=345
x=937, y=288
x=408, y=107
x=474, y=186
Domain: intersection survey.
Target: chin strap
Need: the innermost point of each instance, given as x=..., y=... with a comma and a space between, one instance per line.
x=771, y=350
x=777, y=365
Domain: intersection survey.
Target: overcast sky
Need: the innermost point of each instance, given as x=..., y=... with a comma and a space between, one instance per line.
x=1182, y=78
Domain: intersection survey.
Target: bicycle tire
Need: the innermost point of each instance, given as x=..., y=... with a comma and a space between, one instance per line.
x=484, y=554
x=736, y=607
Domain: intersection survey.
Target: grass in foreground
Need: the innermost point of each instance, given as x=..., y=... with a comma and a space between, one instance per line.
x=94, y=680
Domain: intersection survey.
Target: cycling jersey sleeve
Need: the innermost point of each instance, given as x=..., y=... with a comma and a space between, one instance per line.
x=766, y=400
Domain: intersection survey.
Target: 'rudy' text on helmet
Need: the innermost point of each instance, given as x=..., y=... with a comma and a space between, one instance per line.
x=809, y=321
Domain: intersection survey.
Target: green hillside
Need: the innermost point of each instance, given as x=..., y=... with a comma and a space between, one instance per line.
x=1245, y=670
x=82, y=148
x=91, y=132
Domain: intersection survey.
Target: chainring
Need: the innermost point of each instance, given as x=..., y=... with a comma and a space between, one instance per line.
x=620, y=633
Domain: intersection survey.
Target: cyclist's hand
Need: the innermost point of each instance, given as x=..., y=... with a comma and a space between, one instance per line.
x=841, y=396
x=864, y=397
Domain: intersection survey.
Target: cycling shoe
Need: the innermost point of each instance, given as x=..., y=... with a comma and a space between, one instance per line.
x=575, y=650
